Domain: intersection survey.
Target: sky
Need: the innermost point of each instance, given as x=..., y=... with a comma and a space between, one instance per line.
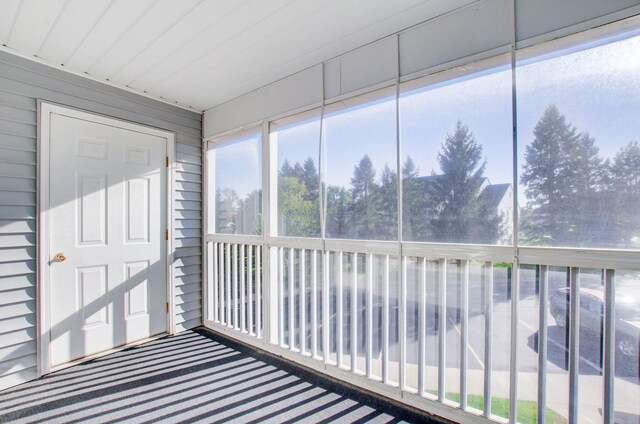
x=596, y=87
x=238, y=164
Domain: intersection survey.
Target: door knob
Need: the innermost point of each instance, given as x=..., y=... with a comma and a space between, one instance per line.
x=60, y=257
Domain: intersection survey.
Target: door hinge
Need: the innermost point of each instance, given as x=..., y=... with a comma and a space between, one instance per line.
x=166, y=234
x=167, y=160
x=167, y=307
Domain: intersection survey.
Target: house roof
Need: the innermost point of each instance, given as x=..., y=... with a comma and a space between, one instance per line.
x=494, y=193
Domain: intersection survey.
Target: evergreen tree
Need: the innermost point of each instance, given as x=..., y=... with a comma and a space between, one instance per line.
x=387, y=206
x=338, y=210
x=310, y=179
x=544, y=163
x=581, y=175
x=564, y=179
x=363, y=199
x=625, y=184
x=286, y=170
x=463, y=216
x=415, y=212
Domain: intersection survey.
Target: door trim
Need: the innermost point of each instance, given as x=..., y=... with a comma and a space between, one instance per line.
x=45, y=110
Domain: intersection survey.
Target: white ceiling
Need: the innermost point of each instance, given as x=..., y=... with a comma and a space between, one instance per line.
x=200, y=53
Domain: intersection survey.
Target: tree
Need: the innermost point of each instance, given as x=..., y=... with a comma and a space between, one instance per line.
x=310, y=179
x=298, y=203
x=226, y=210
x=248, y=214
x=286, y=170
x=564, y=176
x=387, y=206
x=338, y=209
x=415, y=210
x=462, y=215
x=544, y=162
x=363, y=199
x=295, y=210
x=581, y=176
x=625, y=185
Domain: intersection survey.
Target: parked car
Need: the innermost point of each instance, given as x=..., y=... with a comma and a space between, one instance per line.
x=627, y=316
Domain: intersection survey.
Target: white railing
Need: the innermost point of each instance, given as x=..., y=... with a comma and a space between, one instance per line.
x=235, y=281
x=438, y=322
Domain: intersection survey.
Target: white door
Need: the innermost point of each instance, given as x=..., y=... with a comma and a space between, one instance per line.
x=107, y=222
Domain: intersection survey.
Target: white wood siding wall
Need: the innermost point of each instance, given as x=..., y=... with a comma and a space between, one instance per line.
x=22, y=82
x=482, y=29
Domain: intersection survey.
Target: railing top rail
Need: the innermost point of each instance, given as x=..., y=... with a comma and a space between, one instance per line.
x=580, y=257
x=459, y=251
x=538, y=255
x=234, y=238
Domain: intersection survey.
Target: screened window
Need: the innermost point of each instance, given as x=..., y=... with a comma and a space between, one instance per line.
x=578, y=132
x=295, y=146
x=360, y=168
x=238, y=184
x=456, y=158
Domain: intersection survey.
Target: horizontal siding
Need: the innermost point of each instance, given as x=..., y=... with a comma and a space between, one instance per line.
x=16, y=142
x=10, y=378
x=22, y=82
x=187, y=279
x=17, y=198
x=19, y=351
x=188, y=324
x=16, y=310
x=17, y=156
x=13, y=226
x=17, y=282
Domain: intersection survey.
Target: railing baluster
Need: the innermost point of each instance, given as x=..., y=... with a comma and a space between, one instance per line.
x=228, y=286
x=303, y=302
x=235, y=286
x=221, y=273
x=314, y=303
x=385, y=322
x=609, y=346
x=354, y=313
x=250, y=308
x=243, y=270
x=281, y=295
x=422, y=318
x=464, y=333
x=542, y=342
x=339, y=310
x=442, y=328
x=292, y=296
x=574, y=344
x=213, y=269
x=514, y=287
x=402, y=318
x=369, y=313
x=325, y=306
x=258, y=292
x=487, y=277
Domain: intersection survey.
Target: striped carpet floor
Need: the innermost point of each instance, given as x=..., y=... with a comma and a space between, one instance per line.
x=194, y=376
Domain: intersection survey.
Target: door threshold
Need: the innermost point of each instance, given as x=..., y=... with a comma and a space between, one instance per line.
x=106, y=352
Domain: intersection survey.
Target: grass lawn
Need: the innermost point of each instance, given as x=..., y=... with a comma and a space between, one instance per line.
x=527, y=410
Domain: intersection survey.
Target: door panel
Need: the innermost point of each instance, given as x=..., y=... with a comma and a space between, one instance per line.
x=137, y=207
x=108, y=216
x=92, y=214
